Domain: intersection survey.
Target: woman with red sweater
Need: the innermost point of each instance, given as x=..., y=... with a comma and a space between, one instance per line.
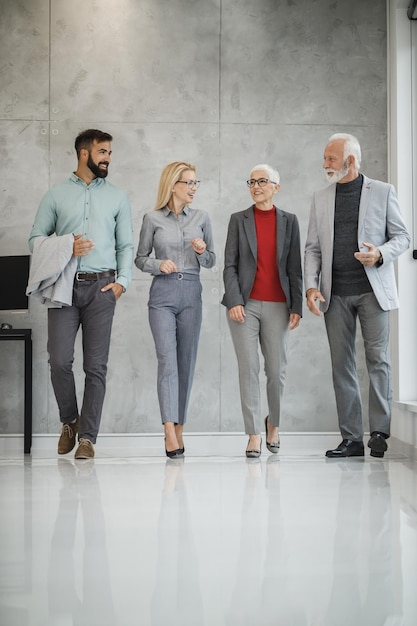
x=263, y=295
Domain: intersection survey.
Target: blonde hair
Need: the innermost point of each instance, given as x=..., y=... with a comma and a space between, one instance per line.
x=170, y=175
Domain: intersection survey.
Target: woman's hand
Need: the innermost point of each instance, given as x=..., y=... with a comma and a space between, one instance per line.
x=199, y=245
x=237, y=313
x=167, y=267
x=294, y=320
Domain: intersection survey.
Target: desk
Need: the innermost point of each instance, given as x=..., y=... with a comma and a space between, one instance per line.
x=24, y=334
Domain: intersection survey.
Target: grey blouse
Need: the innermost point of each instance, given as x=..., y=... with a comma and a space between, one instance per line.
x=170, y=238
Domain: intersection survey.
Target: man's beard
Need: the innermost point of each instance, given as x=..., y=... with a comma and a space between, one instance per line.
x=337, y=174
x=97, y=171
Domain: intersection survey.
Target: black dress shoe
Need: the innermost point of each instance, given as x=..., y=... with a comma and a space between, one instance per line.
x=377, y=444
x=346, y=448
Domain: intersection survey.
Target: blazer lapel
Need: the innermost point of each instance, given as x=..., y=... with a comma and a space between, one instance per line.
x=250, y=229
x=282, y=223
x=364, y=201
x=331, y=198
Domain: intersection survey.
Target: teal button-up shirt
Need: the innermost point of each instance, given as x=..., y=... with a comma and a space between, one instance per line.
x=101, y=212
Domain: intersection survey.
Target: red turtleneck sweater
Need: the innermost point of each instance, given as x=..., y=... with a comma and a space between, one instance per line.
x=267, y=285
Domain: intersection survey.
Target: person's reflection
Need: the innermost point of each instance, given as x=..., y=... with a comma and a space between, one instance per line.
x=383, y=602
x=260, y=595
x=279, y=603
x=176, y=598
x=364, y=544
x=244, y=601
x=344, y=604
x=83, y=598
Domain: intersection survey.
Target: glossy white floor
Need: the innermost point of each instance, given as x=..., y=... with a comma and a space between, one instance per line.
x=135, y=539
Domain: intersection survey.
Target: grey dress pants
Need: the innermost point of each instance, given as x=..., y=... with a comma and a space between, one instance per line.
x=175, y=315
x=93, y=310
x=266, y=326
x=341, y=319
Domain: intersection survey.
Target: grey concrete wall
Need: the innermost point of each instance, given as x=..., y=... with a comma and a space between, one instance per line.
x=224, y=84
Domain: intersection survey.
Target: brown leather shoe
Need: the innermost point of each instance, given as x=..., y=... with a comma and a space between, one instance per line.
x=85, y=450
x=67, y=438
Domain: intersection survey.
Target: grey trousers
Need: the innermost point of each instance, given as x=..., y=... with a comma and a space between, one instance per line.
x=93, y=310
x=175, y=314
x=341, y=318
x=266, y=324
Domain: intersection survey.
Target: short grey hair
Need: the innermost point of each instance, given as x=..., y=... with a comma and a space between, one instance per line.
x=351, y=147
x=272, y=174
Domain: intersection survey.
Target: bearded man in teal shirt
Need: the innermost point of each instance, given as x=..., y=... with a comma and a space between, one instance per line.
x=97, y=215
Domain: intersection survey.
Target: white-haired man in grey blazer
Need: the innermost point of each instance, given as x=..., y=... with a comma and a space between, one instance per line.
x=355, y=233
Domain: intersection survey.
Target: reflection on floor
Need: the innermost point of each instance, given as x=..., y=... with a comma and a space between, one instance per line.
x=289, y=540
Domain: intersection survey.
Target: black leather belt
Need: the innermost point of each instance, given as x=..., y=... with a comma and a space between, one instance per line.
x=82, y=276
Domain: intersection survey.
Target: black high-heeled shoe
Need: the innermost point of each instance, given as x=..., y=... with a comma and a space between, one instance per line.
x=272, y=447
x=174, y=454
x=254, y=454
x=182, y=450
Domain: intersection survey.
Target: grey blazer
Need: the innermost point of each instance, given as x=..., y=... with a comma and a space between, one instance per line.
x=380, y=222
x=241, y=255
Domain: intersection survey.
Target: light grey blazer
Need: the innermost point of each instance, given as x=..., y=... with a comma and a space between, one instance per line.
x=52, y=270
x=240, y=259
x=380, y=223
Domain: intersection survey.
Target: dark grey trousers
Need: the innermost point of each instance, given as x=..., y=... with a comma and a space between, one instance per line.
x=93, y=310
x=341, y=319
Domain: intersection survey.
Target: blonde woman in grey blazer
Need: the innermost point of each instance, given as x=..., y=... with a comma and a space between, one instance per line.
x=263, y=296
x=355, y=233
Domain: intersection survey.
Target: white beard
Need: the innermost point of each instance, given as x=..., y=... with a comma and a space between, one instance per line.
x=334, y=176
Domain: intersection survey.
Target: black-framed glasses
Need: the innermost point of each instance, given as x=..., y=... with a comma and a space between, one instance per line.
x=190, y=183
x=262, y=182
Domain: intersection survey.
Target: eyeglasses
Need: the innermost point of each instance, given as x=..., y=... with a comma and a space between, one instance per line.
x=262, y=182
x=190, y=183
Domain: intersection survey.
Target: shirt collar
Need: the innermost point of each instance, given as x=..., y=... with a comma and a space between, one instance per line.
x=167, y=210
x=96, y=182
